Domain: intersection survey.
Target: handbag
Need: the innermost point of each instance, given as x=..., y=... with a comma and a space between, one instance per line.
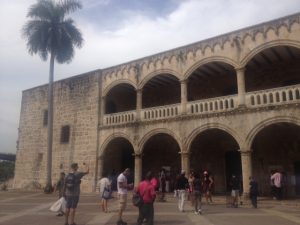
x=59, y=205
x=106, y=193
x=137, y=200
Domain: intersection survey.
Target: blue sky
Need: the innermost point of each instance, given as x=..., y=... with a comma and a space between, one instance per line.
x=116, y=31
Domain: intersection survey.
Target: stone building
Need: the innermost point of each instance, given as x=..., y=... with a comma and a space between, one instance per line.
x=228, y=104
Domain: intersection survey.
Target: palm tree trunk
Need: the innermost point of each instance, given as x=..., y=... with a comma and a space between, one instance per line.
x=48, y=187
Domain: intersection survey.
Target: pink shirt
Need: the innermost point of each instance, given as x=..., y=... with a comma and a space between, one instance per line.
x=146, y=190
x=277, y=177
x=154, y=182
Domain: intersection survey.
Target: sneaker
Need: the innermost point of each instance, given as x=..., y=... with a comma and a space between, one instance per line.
x=199, y=211
x=196, y=213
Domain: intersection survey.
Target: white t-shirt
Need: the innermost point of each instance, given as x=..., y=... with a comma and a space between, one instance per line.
x=102, y=183
x=122, y=178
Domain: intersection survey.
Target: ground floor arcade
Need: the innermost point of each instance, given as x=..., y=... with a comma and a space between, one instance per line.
x=274, y=147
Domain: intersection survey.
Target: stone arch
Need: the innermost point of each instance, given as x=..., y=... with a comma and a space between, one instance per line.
x=112, y=137
x=156, y=73
x=117, y=82
x=267, y=45
x=208, y=60
x=208, y=126
x=150, y=134
x=260, y=126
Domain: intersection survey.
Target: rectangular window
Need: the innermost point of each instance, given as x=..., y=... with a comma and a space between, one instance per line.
x=45, y=119
x=65, y=134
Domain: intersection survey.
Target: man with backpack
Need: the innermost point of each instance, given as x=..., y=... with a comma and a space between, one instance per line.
x=72, y=192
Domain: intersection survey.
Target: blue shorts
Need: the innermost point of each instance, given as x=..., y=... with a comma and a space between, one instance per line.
x=72, y=202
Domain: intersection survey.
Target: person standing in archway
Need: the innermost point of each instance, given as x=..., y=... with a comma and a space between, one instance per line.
x=276, y=178
x=253, y=191
x=182, y=186
x=207, y=185
x=162, y=184
x=235, y=190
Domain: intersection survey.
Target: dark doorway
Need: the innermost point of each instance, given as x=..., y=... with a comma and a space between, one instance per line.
x=209, y=152
x=233, y=166
x=297, y=177
x=118, y=156
x=162, y=150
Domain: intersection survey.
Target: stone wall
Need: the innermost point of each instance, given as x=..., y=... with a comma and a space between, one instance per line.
x=75, y=105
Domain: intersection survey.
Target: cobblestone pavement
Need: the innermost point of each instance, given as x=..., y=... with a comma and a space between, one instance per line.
x=32, y=208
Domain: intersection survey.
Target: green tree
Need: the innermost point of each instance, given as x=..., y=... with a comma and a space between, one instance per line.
x=7, y=169
x=49, y=32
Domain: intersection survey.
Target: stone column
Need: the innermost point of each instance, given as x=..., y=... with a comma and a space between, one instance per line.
x=185, y=162
x=137, y=168
x=240, y=74
x=139, y=99
x=246, y=160
x=102, y=109
x=183, y=86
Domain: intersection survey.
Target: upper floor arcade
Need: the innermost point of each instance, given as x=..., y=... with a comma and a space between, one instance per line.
x=254, y=67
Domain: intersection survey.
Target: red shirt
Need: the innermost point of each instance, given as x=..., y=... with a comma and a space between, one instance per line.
x=146, y=190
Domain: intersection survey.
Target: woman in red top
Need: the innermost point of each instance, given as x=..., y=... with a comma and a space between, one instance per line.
x=147, y=191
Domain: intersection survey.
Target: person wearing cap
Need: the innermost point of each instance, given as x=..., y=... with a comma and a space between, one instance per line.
x=72, y=194
x=182, y=186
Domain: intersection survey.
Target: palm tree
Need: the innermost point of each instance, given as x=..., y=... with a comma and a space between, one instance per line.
x=49, y=32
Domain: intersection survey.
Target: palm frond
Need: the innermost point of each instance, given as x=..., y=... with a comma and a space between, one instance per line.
x=69, y=6
x=73, y=32
x=42, y=10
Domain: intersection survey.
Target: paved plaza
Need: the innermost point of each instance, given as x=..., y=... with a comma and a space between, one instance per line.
x=32, y=208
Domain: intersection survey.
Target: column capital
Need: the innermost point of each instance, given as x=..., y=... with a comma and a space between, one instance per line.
x=139, y=90
x=239, y=68
x=184, y=81
x=184, y=153
x=137, y=155
x=245, y=152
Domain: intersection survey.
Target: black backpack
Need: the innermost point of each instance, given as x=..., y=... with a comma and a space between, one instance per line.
x=71, y=181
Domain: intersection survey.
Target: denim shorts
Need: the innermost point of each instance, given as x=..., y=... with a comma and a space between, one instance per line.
x=72, y=202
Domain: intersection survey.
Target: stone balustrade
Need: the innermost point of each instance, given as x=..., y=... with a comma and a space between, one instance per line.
x=275, y=96
x=119, y=118
x=161, y=112
x=219, y=104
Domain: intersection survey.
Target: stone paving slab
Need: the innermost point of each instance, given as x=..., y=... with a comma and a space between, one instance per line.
x=27, y=208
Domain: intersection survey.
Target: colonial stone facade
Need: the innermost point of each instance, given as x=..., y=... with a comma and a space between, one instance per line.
x=228, y=104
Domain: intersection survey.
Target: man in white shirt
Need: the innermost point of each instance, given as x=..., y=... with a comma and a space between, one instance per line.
x=122, y=193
